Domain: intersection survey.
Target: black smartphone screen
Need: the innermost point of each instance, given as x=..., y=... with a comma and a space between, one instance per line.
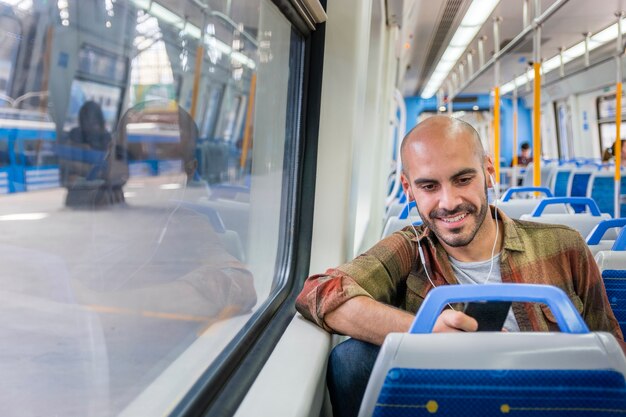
x=490, y=315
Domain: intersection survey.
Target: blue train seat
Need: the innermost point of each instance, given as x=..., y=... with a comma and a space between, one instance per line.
x=405, y=218
x=612, y=264
x=603, y=236
x=602, y=189
x=578, y=184
x=583, y=222
x=229, y=239
x=560, y=181
x=548, y=171
x=574, y=372
x=516, y=207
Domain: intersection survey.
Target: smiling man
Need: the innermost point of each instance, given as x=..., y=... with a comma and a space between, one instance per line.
x=462, y=241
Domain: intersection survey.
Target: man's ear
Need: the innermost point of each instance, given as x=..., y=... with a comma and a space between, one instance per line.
x=489, y=168
x=406, y=185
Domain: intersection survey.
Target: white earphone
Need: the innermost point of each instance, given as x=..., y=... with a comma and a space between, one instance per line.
x=496, y=187
x=496, y=194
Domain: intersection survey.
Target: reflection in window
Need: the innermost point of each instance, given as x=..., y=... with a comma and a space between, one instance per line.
x=138, y=238
x=151, y=71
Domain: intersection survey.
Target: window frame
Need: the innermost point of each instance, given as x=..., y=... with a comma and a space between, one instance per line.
x=222, y=387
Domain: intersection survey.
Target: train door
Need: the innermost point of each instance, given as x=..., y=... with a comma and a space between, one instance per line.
x=605, y=105
x=564, y=133
x=549, y=142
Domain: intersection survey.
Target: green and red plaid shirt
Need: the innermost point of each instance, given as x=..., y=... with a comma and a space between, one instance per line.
x=532, y=253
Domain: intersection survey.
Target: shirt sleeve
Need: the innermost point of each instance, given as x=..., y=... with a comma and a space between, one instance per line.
x=597, y=311
x=378, y=274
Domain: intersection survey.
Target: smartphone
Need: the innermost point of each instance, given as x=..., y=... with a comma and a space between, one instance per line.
x=490, y=315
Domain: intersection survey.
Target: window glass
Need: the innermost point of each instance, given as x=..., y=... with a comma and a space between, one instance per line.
x=142, y=192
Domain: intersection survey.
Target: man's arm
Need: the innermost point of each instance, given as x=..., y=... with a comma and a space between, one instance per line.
x=366, y=319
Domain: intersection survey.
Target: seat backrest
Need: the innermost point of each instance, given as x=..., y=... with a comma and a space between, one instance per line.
x=496, y=373
x=583, y=222
x=560, y=181
x=603, y=236
x=602, y=189
x=394, y=224
x=578, y=184
x=516, y=207
x=612, y=265
x=405, y=218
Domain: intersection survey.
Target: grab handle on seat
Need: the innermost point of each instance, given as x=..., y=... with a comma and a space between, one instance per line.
x=598, y=232
x=513, y=190
x=620, y=242
x=567, y=317
x=586, y=201
x=404, y=214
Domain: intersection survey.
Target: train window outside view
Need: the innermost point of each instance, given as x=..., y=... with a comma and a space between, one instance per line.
x=141, y=192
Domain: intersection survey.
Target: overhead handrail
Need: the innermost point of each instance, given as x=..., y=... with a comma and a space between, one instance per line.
x=513, y=190
x=567, y=317
x=509, y=47
x=586, y=201
x=595, y=236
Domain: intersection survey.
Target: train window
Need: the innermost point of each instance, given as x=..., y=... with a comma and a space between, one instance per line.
x=605, y=106
x=146, y=150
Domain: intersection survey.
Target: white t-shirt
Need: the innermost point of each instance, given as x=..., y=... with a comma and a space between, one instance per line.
x=476, y=273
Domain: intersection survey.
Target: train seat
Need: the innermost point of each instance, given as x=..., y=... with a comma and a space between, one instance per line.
x=560, y=181
x=395, y=208
x=229, y=239
x=497, y=373
x=516, y=207
x=603, y=236
x=602, y=189
x=612, y=264
x=404, y=219
x=583, y=222
x=578, y=184
x=547, y=174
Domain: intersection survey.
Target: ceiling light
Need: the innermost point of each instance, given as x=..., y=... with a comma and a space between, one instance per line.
x=604, y=36
x=474, y=18
x=23, y=216
x=172, y=18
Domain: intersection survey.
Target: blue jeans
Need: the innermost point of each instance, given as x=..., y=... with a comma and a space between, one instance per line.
x=349, y=368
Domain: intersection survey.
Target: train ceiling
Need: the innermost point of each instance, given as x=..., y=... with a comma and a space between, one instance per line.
x=429, y=25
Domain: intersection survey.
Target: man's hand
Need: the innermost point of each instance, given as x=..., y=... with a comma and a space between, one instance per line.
x=454, y=321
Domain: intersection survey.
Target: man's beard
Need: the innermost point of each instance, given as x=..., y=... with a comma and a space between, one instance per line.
x=457, y=239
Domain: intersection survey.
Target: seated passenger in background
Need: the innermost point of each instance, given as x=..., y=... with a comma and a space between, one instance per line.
x=609, y=153
x=89, y=161
x=168, y=258
x=524, y=158
x=464, y=241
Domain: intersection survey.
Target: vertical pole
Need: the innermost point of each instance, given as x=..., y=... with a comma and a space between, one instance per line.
x=470, y=63
x=618, y=116
x=537, y=101
x=198, y=69
x=496, y=98
x=247, y=134
x=515, y=161
x=451, y=89
x=525, y=14
x=481, y=51
x=462, y=72
x=587, y=37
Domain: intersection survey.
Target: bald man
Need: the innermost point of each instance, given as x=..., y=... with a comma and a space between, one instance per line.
x=464, y=241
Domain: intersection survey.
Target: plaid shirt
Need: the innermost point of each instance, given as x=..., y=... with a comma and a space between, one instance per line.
x=532, y=253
